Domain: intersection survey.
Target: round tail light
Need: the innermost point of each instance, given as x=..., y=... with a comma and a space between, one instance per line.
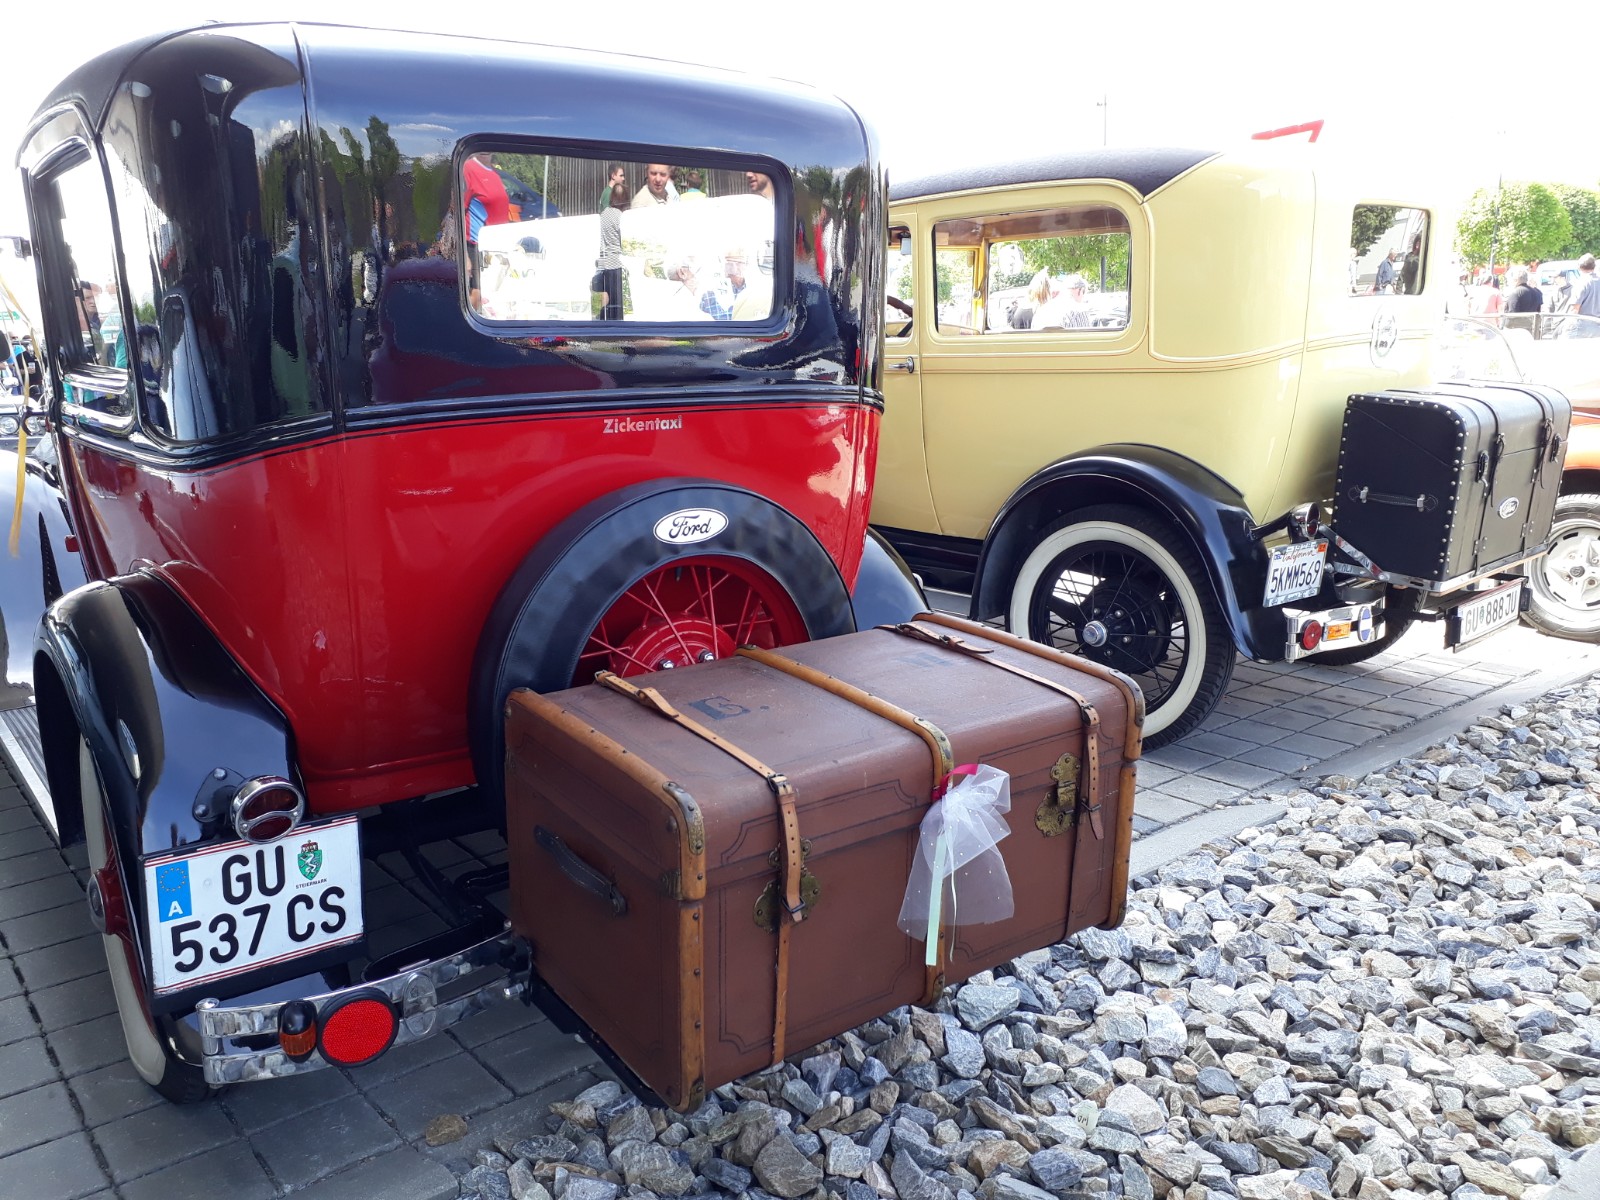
x=357, y=1028
x=267, y=808
x=297, y=1029
x=1311, y=635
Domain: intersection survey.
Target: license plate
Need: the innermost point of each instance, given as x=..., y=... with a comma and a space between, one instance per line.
x=228, y=909
x=1294, y=571
x=1488, y=612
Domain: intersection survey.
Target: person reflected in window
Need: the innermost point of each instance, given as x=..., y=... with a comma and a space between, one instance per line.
x=1069, y=309
x=693, y=185
x=483, y=202
x=760, y=185
x=1038, y=295
x=752, y=290
x=1411, y=268
x=609, y=263
x=617, y=174
x=1386, y=274
x=657, y=187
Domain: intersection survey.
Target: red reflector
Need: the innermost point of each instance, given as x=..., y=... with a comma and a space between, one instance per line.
x=1310, y=635
x=358, y=1029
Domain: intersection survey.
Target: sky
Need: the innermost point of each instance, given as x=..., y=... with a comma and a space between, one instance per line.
x=1463, y=100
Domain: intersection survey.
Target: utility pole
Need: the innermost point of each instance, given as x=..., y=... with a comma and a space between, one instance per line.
x=1494, y=220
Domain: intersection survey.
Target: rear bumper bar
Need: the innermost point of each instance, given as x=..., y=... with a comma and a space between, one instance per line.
x=416, y=993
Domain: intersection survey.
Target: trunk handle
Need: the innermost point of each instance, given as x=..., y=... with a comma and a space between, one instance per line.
x=580, y=872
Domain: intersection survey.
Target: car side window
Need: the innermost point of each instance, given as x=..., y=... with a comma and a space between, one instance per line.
x=1388, y=250
x=563, y=238
x=1060, y=269
x=87, y=326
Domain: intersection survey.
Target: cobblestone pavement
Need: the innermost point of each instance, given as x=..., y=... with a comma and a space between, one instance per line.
x=75, y=1121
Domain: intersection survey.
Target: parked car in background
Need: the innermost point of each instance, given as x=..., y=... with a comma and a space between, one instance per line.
x=1147, y=480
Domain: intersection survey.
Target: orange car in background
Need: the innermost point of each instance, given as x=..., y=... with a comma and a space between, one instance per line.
x=1565, y=584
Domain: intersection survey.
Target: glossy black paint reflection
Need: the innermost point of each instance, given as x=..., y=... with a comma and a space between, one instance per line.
x=280, y=181
x=163, y=707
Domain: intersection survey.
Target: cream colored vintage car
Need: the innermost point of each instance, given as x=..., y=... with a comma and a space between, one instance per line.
x=1115, y=383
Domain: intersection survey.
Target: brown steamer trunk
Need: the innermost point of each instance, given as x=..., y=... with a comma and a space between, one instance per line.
x=649, y=866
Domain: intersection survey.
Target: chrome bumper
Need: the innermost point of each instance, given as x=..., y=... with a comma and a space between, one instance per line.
x=415, y=993
x=1362, y=626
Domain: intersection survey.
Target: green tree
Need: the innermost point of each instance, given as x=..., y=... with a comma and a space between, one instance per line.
x=1371, y=222
x=1583, y=210
x=1514, y=223
x=1083, y=254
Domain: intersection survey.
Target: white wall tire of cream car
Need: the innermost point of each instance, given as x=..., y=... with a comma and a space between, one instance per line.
x=157, y=1065
x=1120, y=587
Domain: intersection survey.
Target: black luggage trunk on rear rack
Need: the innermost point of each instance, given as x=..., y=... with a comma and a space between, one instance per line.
x=1442, y=487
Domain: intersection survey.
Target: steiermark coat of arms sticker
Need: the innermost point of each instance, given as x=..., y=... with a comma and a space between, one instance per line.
x=310, y=860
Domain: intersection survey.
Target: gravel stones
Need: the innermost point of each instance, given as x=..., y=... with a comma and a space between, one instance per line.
x=981, y=1005
x=784, y=1171
x=1393, y=993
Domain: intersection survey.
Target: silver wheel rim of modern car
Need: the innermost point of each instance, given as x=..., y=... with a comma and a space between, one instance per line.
x=1567, y=580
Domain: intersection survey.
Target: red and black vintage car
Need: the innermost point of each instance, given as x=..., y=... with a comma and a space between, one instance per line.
x=345, y=447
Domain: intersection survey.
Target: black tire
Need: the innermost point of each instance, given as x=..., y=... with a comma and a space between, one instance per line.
x=541, y=620
x=148, y=1040
x=1399, y=614
x=1564, y=585
x=1139, y=601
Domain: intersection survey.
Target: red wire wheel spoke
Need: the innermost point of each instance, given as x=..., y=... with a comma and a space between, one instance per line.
x=693, y=610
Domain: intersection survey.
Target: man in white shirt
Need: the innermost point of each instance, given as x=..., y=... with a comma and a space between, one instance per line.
x=657, y=187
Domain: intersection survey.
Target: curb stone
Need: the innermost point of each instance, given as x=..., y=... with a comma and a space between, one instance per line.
x=398, y=1175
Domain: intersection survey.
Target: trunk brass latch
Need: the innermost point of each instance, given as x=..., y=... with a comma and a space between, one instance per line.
x=770, y=903
x=1059, y=810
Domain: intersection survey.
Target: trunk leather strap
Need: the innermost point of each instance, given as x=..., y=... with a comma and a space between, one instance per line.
x=791, y=858
x=1133, y=725
x=944, y=761
x=1088, y=798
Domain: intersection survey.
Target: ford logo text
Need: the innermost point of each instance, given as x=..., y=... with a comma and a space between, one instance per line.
x=690, y=525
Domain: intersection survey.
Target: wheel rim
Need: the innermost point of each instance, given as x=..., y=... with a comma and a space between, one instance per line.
x=1111, y=605
x=694, y=610
x=1568, y=579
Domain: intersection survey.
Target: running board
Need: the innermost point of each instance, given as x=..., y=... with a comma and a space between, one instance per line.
x=19, y=742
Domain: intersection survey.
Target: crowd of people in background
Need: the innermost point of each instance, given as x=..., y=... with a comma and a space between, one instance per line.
x=731, y=289
x=1538, y=298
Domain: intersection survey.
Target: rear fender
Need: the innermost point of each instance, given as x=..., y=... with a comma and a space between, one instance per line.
x=173, y=723
x=1201, y=506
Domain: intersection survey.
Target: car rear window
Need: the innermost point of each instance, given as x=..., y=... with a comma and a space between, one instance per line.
x=565, y=238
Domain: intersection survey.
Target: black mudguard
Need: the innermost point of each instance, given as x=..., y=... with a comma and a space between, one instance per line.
x=164, y=709
x=886, y=592
x=1203, y=507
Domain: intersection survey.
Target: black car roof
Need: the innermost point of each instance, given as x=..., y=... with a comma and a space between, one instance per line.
x=1144, y=170
x=93, y=84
